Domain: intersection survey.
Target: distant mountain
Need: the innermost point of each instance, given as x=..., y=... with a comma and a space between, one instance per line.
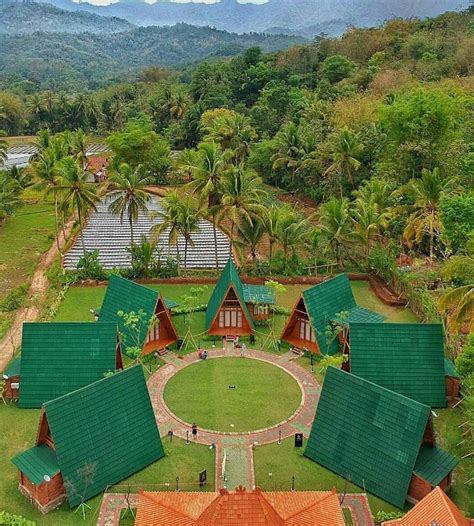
x=306, y=17
x=63, y=61
x=29, y=17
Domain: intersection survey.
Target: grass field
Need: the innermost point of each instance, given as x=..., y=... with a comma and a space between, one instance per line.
x=18, y=428
x=264, y=394
x=23, y=238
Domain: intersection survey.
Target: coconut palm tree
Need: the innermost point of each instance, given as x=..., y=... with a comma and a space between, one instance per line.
x=128, y=196
x=170, y=219
x=345, y=151
x=78, y=145
x=271, y=218
x=242, y=196
x=335, y=223
x=207, y=173
x=292, y=231
x=290, y=150
x=75, y=192
x=250, y=235
x=458, y=305
x=427, y=193
x=188, y=223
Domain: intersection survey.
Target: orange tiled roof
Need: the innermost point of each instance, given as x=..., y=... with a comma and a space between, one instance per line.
x=95, y=164
x=239, y=508
x=435, y=509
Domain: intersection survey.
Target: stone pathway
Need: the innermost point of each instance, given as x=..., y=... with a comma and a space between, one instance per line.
x=236, y=448
x=358, y=504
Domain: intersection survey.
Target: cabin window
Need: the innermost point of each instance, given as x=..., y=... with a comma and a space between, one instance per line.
x=261, y=310
x=230, y=317
x=306, y=331
x=154, y=333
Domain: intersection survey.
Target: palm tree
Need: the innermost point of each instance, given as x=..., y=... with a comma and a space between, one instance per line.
x=289, y=152
x=207, y=175
x=170, y=216
x=242, y=196
x=3, y=148
x=292, y=230
x=188, y=223
x=335, y=222
x=79, y=144
x=128, y=196
x=271, y=218
x=75, y=191
x=425, y=219
x=250, y=234
x=344, y=152
x=458, y=304
x=178, y=105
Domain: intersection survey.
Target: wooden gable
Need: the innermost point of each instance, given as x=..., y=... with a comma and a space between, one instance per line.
x=163, y=332
x=298, y=330
x=232, y=316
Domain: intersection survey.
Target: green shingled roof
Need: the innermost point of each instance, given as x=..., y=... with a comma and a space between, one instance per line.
x=367, y=434
x=229, y=276
x=126, y=296
x=57, y=358
x=14, y=367
x=328, y=299
x=37, y=462
x=450, y=368
x=405, y=357
x=259, y=294
x=109, y=424
x=434, y=464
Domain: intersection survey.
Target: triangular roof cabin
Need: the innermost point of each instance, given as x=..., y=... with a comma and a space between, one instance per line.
x=436, y=509
x=57, y=358
x=404, y=357
x=126, y=296
x=107, y=429
x=378, y=439
x=227, y=312
x=320, y=307
x=245, y=508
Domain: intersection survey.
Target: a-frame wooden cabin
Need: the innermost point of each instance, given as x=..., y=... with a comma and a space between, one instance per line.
x=328, y=304
x=157, y=331
x=227, y=313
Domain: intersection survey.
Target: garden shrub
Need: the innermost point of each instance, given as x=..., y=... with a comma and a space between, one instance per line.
x=14, y=299
x=89, y=267
x=382, y=516
x=9, y=519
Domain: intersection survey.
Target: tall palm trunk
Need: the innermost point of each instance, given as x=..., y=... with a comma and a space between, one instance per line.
x=79, y=215
x=231, y=244
x=56, y=221
x=271, y=255
x=185, y=255
x=215, y=241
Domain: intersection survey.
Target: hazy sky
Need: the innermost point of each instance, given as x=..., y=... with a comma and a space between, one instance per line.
x=107, y=2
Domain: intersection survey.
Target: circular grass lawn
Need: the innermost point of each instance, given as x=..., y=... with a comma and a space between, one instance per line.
x=264, y=394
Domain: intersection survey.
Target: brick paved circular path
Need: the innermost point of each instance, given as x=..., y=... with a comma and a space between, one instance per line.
x=300, y=421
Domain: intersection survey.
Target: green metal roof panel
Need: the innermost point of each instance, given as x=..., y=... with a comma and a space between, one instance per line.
x=359, y=315
x=434, y=464
x=229, y=276
x=127, y=296
x=57, y=358
x=259, y=294
x=37, y=462
x=450, y=368
x=170, y=304
x=367, y=434
x=325, y=301
x=405, y=357
x=14, y=368
x=110, y=425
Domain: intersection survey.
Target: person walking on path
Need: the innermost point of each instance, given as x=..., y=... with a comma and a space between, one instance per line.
x=243, y=350
x=194, y=431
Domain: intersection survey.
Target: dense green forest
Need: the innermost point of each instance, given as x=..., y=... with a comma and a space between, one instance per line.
x=22, y=18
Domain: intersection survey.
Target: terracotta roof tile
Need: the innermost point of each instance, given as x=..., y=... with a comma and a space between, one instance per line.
x=239, y=508
x=435, y=509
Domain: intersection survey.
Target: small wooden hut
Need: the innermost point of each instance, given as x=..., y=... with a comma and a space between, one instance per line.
x=11, y=378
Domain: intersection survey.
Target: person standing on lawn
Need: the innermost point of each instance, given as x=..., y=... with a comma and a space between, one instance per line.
x=243, y=350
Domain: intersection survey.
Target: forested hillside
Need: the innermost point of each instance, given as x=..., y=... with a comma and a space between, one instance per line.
x=25, y=18
x=81, y=61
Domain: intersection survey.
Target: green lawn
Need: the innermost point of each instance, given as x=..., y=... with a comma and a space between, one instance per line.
x=276, y=464
x=264, y=395
x=23, y=238
x=18, y=428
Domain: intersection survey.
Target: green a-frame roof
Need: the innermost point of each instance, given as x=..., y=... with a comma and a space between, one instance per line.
x=325, y=301
x=229, y=277
x=405, y=357
x=109, y=425
x=370, y=435
x=57, y=358
x=126, y=296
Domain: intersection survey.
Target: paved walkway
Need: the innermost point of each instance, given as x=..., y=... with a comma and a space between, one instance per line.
x=235, y=450
x=358, y=505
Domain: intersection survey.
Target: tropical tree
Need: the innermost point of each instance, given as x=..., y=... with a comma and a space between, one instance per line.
x=78, y=145
x=128, y=196
x=289, y=149
x=242, y=196
x=458, y=305
x=188, y=222
x=335, y=223
x=250, y=235
x=75, y=192
x=271, y=219
x=9, y=195
x=292, y=231
x=170, y=216
x=425, y=220
x=207, y=174
x=344, y=151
